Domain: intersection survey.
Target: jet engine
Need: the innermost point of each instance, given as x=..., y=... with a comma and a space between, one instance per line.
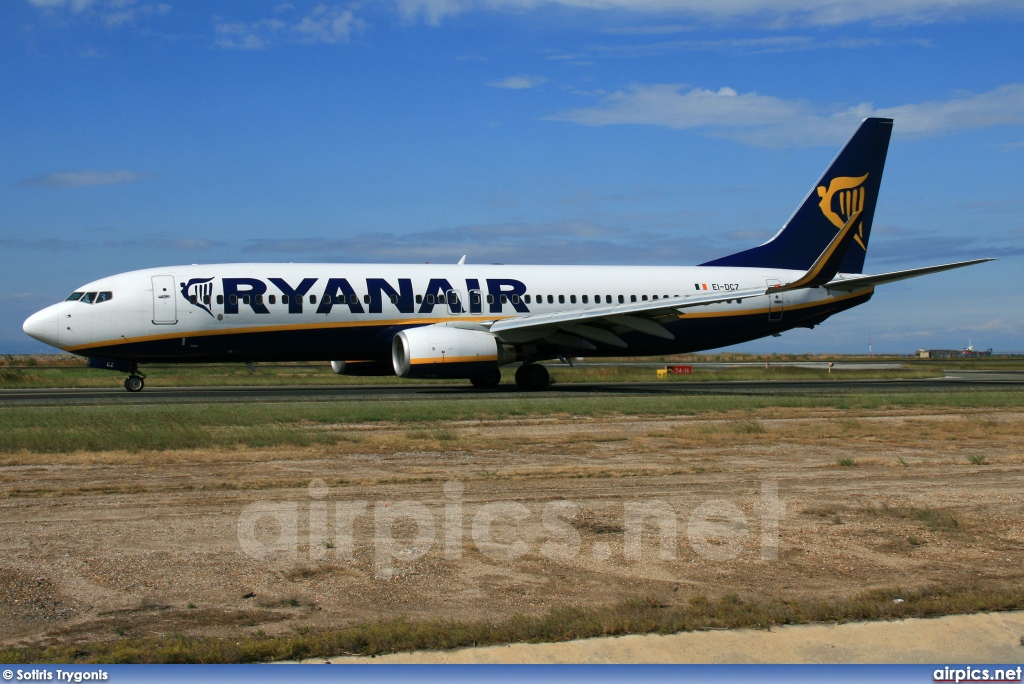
x=443, y=351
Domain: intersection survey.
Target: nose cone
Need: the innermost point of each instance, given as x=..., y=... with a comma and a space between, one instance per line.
x=42, y=325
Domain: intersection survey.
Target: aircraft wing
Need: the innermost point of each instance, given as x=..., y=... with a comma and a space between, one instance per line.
x=858, y=281
x=601, y=323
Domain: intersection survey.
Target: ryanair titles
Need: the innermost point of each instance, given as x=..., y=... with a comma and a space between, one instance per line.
x=255, y=294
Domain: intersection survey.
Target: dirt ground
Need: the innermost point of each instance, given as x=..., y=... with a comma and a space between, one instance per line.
x=483, y=520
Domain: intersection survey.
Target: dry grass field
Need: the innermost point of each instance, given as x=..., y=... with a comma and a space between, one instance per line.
x=487, y=527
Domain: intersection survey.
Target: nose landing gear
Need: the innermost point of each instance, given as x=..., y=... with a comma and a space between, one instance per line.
x=135, y=380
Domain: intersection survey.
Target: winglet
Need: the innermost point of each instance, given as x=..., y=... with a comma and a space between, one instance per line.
x=826, y=266
x=462, y=261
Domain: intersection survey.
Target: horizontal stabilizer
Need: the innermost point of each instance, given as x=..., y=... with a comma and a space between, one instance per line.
x=858, y=282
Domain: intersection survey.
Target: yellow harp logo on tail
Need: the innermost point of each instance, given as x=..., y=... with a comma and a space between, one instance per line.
x=848, y=193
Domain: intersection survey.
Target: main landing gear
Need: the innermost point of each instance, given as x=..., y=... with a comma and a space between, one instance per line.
x=135, y=383
x=488, y=380
x=532, y=377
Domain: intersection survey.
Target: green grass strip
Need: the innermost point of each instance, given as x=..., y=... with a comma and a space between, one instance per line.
x=642, y=616
x=62, y=429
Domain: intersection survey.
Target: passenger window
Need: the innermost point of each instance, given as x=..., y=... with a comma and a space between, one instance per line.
x=259, y=299
x=561, y=299
x=298, y=299
x=476, y=297
x=394, y=299
x=284, y=299
x=490, y=299
x=74, y=297
x=551, y=299
x=88, y=298
x=245, y=299
x=504, y=299
x=430, y=299
x=353, y=299
x=272, y=299
x=440, y=299
x=643, y=297
x=312, y=299
x=586, y=299
x=191, y=298
x=220, y=299
x=632, y=298
x=607, y=299
x=526, y=298
x=572, y=299
x=206, y=299
x=622, y=299
x=234, y=299
x=366, y=299
x=419, y=299
x=655, y=296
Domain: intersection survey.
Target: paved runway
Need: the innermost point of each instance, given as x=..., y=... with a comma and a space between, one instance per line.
x=957, y=380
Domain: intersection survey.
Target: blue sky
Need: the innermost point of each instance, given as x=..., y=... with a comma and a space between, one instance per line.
x=141, y=134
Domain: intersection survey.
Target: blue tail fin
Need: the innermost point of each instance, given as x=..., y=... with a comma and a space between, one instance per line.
x=849, y=185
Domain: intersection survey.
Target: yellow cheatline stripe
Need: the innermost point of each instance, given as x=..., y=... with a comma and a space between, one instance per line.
x=454, y=359
x=788, y=307
x=279, y=328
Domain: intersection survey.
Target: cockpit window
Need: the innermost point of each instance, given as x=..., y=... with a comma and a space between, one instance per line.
x=88, y=298
x=104, y=297
x=74, y=297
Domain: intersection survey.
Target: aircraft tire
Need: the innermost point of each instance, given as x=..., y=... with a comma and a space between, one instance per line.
x=133, y=383
x=487, y=380
x=532, y=377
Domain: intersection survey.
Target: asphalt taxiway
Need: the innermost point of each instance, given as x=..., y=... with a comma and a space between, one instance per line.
x=953, y=380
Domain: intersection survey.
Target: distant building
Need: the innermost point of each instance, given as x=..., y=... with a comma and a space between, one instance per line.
x=967, y=352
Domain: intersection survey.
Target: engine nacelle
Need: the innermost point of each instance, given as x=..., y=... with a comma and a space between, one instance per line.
x=442, y=351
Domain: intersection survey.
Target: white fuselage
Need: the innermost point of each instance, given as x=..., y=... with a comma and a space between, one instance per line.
x=253, y=312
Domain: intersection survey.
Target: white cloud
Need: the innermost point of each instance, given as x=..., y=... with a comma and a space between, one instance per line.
x=522, y=82
x=328, y=25
x=768, y=121
x=83, y=179
x=767, y=12
x=576, y=242
x=112, y=13
x=324, y=24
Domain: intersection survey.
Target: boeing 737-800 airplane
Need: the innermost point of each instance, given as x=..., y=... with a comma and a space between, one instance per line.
x=466, y=321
